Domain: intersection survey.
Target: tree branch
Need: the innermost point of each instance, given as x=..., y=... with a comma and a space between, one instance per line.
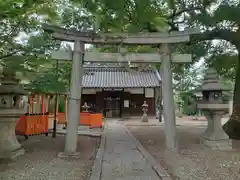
x=220, y=34
x=10, y=54
x=180, y=12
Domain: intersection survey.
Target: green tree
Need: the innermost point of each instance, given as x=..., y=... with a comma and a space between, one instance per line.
x=218, y=21
x=23, y=17
x=55, y=79
x=186, y=82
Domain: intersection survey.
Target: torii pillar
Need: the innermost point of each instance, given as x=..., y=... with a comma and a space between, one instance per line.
x=168, y=101
x=74, y=101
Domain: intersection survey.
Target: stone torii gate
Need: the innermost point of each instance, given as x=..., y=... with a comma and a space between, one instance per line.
x=78, y=56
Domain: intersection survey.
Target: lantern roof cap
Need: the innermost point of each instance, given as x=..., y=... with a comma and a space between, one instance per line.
x=10, y=84
x=213, y=82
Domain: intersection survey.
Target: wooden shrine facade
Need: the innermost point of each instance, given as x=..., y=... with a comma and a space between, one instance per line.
x=118, y=92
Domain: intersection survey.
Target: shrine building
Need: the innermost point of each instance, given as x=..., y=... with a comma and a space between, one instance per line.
x=120, y=92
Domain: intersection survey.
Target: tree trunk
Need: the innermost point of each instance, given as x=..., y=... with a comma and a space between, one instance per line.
x=232, y=126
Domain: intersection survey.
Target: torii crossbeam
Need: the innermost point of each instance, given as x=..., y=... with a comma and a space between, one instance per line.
x=120, y=38
x=96, y=57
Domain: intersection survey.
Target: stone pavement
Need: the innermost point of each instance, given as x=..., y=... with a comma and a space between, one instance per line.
x=122, y=159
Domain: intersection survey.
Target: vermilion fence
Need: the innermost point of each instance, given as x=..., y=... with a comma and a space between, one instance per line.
x=96, y=120
x=93, y=120
x=32, y=124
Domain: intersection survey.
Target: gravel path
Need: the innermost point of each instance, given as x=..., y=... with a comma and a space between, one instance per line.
x=40, y=161
x=193, y=160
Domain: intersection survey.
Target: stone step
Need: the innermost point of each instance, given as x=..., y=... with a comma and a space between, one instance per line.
x=83, y=128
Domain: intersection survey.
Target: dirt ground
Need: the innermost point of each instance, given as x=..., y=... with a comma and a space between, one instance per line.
x=41, y=161
x=193, y=161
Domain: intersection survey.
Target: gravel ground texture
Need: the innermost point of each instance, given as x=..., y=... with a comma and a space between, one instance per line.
x=41, y=161
x=193, y=161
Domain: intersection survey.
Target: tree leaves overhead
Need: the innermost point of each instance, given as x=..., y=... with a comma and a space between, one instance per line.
x=123, y=16
x=113, y=16
x=23, y=47
x=224, y=58
x=52, y=80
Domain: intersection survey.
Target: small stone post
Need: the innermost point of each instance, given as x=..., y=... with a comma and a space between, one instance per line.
x=145, y=109
x=10, y=112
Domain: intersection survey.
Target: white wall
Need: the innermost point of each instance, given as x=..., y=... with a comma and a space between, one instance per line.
x=135, y=90
x=149, y=92
x=90, y=91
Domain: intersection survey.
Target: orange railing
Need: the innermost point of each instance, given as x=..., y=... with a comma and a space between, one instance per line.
x=96, y=120
x=32, y=124
x=86, y=119
x=61, y=118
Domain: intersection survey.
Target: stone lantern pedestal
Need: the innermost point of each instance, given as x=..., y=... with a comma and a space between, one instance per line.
x=214, y=136
x=214, y=106
x=145, y=109
x=9, y=145
x=10, y=112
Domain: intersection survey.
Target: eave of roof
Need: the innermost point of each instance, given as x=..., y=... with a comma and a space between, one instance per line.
x=116, y=77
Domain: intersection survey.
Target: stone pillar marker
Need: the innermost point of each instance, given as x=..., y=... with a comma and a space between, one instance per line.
x=10, y=112
x=74, y=101
x=214, y=106
x=145, y=109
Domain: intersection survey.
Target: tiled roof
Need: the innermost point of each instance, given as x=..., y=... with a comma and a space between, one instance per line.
x=119, y=78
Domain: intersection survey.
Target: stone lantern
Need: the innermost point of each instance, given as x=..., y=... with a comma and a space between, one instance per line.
x=214, y=106
x=145, y=109
x=85, y=107
x=10, y=92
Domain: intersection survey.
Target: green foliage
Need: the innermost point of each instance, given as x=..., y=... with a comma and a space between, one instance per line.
x=186, y=82
x=224, y=58
x=31, y=56
x=22, y=45
x=53, y=80
x=188, y=102
x=124, y=16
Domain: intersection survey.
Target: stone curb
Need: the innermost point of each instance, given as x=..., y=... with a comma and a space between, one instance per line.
x=91, y=134
x=84, y=134
x=97, y=165
x=162, y=173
